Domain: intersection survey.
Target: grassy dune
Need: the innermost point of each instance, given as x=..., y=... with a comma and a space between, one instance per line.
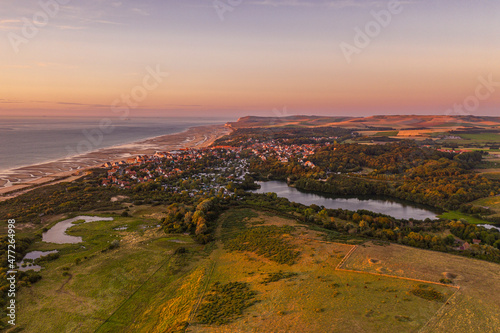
x=475, y=307
x=112, y=289
x=316, y=297
x=144, y=285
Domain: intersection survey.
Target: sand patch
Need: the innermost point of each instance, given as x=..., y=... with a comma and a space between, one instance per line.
x=119, y=198
x=383, y=270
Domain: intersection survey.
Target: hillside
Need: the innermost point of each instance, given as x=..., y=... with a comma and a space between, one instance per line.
x=389, y=121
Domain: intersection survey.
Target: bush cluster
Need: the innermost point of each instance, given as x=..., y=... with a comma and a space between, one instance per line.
x=226, y=302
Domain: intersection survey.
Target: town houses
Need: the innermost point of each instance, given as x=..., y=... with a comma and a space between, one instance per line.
x=180, y=165
x=206, y=169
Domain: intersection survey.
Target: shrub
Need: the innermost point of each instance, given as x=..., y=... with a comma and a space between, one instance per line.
x=49, y=257
x=265, y=241
x=29, y=276
x=428, y=293
x=226, y=302
x=180, y=250
x=274, y=277
x=114, y=244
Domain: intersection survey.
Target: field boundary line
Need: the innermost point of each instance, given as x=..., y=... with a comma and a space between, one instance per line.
x=216, y=255
x=128, y=298
x=202, y=294
x=440, y=310
x=351, y=251
x=436, y=314
x=397, y=277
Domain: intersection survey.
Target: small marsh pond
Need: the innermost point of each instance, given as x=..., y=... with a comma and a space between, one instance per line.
x=57, y=234
x=29, y=257
x=397, y=209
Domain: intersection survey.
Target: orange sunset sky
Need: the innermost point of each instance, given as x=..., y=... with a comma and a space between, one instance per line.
x=235, y=58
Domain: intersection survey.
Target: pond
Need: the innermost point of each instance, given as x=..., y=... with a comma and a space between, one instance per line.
x=488, y=226
x=395, y=208
x=57, y=234
x=121, y=228
x=28, y=265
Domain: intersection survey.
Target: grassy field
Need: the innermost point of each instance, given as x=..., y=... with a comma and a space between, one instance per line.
x=475, y=307
x=148, y=285
x=493, y=174
x=162, y=304
x=142, y=283
x=492, y=202
x=313, y=296
x=388, y=133
x=481, y=138
x=455, y=215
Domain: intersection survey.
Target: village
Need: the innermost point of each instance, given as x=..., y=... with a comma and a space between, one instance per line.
x=221, y=165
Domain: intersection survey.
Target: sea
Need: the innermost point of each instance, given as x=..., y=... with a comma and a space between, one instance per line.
x=28, y=141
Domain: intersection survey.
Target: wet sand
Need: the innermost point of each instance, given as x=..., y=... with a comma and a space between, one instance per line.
x=72, y=168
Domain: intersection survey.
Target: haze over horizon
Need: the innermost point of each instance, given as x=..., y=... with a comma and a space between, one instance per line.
x=249, y=57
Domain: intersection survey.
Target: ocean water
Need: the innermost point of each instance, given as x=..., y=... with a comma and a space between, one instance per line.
x=29, y=141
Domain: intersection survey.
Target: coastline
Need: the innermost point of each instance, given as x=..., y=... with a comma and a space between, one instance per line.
x=23, y=179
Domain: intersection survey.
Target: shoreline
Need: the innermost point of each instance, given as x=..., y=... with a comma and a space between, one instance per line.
x=7, y=172
x=47, y=173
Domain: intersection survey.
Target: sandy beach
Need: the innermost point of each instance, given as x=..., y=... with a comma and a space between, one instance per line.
x=73, y=168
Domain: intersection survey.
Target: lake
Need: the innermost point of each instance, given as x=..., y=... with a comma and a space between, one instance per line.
x=397, y=209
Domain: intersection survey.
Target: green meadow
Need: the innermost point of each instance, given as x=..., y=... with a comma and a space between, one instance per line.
x=263, y=273
x=455, y=215
x=91, y=288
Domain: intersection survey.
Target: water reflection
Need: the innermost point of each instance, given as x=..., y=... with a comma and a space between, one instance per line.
x=26, y=264
x=399, y=210
x=57, y=234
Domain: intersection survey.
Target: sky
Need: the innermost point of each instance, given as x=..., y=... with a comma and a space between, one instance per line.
x=249, y=57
